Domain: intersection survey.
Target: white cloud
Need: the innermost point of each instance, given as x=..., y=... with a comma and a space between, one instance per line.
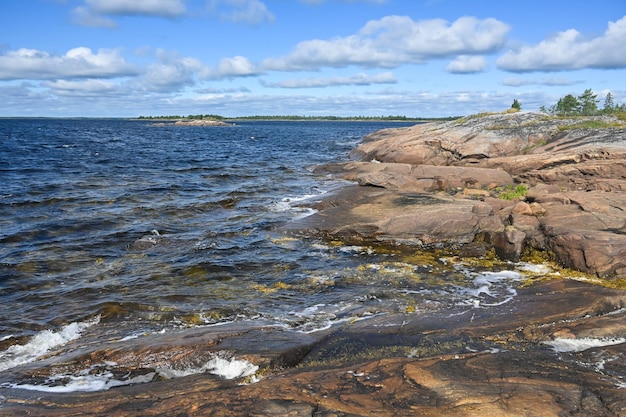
x=95, y=11
x=237, y=66
x=357, y=79
x=252, y=12
x=162, y=8
x=570, y=50
x=467, y=64
x=57, y=99
x=212, y=90
x=85, y=17
x=520, y=82
x=79, y=62
x=88, y=87
x=395, y=40
x=170, y=73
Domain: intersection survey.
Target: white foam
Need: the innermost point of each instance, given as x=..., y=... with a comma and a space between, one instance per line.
x=101, y=377
x=290, y=204
x=579, y=345
x=84, y=382
x=42, y=343
x=225, y=367
x=535, y=268
x=357, y=249
x=497, y=285
x=230, y=368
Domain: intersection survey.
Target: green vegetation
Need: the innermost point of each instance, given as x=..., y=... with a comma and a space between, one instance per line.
x=460, y=120
x=512, y=192
x=516, y=105
x=591, y=124
x=586, y=104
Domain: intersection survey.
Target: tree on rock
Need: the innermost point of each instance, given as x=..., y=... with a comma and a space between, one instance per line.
x=588, y=103
x=567, y=105
x=516, y=104
x=609, y=105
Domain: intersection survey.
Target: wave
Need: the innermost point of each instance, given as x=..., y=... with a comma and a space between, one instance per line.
x=104, y=376
x=42, y=343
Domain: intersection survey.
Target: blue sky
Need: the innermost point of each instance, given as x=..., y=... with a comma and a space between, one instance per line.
x=419, y=58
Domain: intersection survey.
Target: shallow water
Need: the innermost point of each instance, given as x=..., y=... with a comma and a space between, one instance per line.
x=111, y=229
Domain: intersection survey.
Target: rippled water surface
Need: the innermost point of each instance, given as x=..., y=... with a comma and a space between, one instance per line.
x=118, y=228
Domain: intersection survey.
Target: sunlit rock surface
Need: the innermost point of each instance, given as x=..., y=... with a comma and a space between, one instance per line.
x=437, y=184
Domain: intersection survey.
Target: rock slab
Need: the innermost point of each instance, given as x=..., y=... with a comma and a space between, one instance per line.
x=437, y=184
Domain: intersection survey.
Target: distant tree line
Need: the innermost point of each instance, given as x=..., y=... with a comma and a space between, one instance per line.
x=354, y=118
x=585, y=104
x=191, y=117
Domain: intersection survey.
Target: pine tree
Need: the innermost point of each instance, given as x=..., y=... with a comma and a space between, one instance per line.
x=609, y=105
x=588, y=103
x=567, y=105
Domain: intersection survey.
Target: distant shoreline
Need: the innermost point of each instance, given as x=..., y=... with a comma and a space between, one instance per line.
x=242, y=119
x=287, y=118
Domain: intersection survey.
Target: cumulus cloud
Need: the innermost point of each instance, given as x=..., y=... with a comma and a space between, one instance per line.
x=237, y=66
x=172, y=72
x=79, y=62
x=395, y=40
x=252, y=12
x=467, y=64
x=357, y=79
x=95, y=12
x=570, y=50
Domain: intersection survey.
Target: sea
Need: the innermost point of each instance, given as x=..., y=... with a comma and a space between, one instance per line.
x=115, y=229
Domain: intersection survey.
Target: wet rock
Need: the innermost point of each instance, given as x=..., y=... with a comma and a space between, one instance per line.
x=509, y=244
x=269, y=408
x=557, y=349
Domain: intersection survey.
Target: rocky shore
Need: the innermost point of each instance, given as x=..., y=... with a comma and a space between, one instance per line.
x=557, y=348
x=442, y=185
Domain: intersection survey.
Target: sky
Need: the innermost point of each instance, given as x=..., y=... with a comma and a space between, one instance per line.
x=416, y=58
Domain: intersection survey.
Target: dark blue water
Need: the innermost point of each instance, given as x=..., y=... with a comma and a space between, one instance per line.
x=120, y=228
x=99, y=215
